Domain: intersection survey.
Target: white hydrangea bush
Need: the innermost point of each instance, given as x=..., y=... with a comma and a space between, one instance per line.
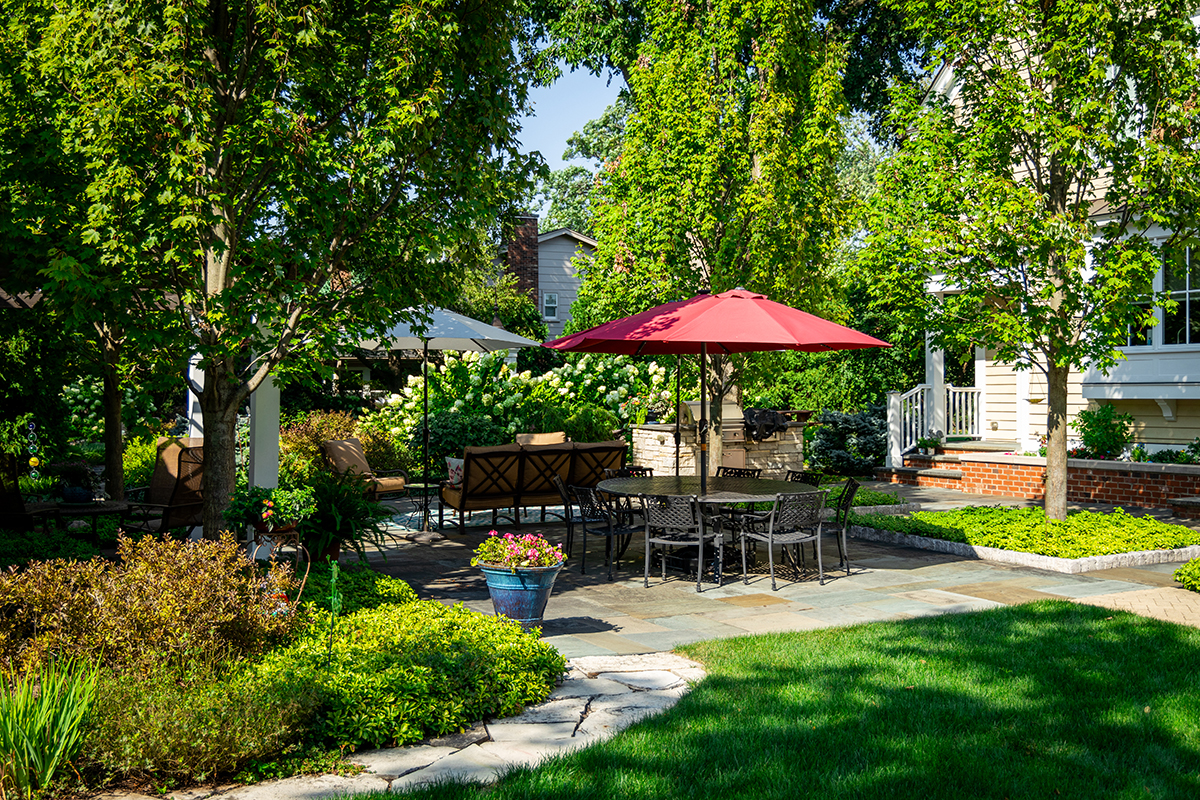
x=483, y=383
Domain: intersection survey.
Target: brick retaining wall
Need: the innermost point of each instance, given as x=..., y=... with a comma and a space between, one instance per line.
x=1088, y=481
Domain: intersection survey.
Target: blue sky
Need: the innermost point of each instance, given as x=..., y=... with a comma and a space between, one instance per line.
x=563, y=108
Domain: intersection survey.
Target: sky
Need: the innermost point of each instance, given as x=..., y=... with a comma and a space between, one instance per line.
x=563, y=108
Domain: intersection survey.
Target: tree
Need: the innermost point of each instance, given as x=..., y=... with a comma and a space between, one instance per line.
x=1029, y=195
x=273, y=174
x=567, y=193
x=726, y=177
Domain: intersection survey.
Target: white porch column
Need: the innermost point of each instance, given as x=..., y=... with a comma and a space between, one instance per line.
x=1024, y=408
x=981, y=384
x=895, y=420
x=195, y=415
x=264, y=435
x=935, y=376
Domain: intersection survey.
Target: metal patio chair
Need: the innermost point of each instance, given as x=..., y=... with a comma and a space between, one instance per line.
x=794, y=520
x=679, y=522
x=599, y=517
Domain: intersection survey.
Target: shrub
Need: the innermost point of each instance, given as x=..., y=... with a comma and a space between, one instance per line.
x=300, y=458
x=451, y=431
x=399, y=673
x=850, y=444
x=192, y=722
x=1027, y=530
x=41, y=722
x=1189, y=575
x=165, y=602
x=139, y=458
x=359, y=585
x=1103, y=432
x=589, y=423
x=18, y=548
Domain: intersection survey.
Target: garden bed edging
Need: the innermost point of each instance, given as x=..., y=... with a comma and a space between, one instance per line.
x=1070, y=566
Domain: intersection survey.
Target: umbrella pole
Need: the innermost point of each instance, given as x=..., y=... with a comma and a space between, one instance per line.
x=703, y=422
x=425, y=438
x=678, y=378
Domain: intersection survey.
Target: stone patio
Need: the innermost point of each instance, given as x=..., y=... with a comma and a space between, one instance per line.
x=589, y=616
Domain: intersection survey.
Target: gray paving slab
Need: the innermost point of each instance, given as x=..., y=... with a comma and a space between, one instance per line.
x=1081, y=587
x=396, y=761
x=518, y=730
x=471, y=764
x=569, y=709
x=647, y=679
x=588, y=687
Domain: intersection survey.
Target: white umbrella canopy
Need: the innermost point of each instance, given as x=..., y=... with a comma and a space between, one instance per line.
x=448, y=331
x=445, y=331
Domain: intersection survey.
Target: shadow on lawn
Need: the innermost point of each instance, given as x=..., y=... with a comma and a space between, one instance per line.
x=1044, y=700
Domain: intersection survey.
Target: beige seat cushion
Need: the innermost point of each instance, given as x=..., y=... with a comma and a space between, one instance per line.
x=346, y=455
x=388, y=485
x=557, y=437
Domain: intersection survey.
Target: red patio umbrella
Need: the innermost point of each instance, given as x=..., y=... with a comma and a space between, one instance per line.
x=737, y=321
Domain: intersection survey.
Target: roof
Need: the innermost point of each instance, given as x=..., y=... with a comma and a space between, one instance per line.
x=576, y=235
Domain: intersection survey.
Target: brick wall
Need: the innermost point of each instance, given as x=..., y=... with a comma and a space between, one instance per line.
x=1110, y=482
x=522, y=256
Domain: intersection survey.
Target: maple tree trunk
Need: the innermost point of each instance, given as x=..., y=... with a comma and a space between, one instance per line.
x=219, y=405
x=1056, y=444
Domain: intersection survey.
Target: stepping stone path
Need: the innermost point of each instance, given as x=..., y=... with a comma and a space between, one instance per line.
x=600, y=696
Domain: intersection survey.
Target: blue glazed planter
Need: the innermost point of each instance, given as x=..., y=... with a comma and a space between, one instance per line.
x=521, y=595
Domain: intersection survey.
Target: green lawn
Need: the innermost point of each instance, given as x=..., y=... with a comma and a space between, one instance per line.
x=1046, y=700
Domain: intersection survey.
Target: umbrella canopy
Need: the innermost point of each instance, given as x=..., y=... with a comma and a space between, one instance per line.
x=446, y=331
x=449, y=331
x=737, y=321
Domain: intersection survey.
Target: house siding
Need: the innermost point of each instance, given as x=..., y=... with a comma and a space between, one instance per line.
x=557, y=274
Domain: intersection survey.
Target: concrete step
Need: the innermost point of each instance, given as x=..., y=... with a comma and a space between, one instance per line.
x=946, y=474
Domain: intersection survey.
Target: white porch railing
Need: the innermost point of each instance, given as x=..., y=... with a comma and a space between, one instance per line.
x=962, y=411
x=913, y=415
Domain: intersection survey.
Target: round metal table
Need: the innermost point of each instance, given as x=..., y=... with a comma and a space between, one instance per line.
x=720, y=490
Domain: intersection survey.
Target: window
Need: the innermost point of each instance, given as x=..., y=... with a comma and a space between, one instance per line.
x=1181, y=277
x=550, y=305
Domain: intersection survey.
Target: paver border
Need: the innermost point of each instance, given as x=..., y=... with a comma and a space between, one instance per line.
x=1070, y=566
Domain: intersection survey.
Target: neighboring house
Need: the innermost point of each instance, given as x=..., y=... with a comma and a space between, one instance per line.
x=1158, y=383
x=543, y=265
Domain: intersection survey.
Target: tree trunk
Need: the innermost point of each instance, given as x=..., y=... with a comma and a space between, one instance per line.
x=219, y=405
x=114, y=437
x=1056, y=445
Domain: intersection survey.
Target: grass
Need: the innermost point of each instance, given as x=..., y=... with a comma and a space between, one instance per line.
x=1050, y=699
x=1027, y=530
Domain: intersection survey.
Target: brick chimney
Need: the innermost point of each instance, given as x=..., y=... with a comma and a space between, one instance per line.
x=522, y=256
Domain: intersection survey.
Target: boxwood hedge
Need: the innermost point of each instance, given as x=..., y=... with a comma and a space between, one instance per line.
x=1027, y=530
x=402, y=672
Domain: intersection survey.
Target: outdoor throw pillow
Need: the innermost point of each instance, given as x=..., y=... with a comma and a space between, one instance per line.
x=454, y=470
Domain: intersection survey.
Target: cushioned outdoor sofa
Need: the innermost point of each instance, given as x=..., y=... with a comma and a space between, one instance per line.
x=514, y=476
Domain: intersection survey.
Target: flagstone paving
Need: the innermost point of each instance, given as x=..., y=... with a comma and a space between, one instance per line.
x=588, y=615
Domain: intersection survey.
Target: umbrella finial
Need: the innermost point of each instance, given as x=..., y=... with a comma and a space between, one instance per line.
x=496, y=323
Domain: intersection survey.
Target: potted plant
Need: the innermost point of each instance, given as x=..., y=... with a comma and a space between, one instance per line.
x=77, y=481
x=344, y=515
x=520, y=573
x=271, y=510
x=927, y=445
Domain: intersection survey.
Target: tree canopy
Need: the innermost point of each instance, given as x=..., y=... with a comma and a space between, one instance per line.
x=1028, y=189
x=270, y=175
